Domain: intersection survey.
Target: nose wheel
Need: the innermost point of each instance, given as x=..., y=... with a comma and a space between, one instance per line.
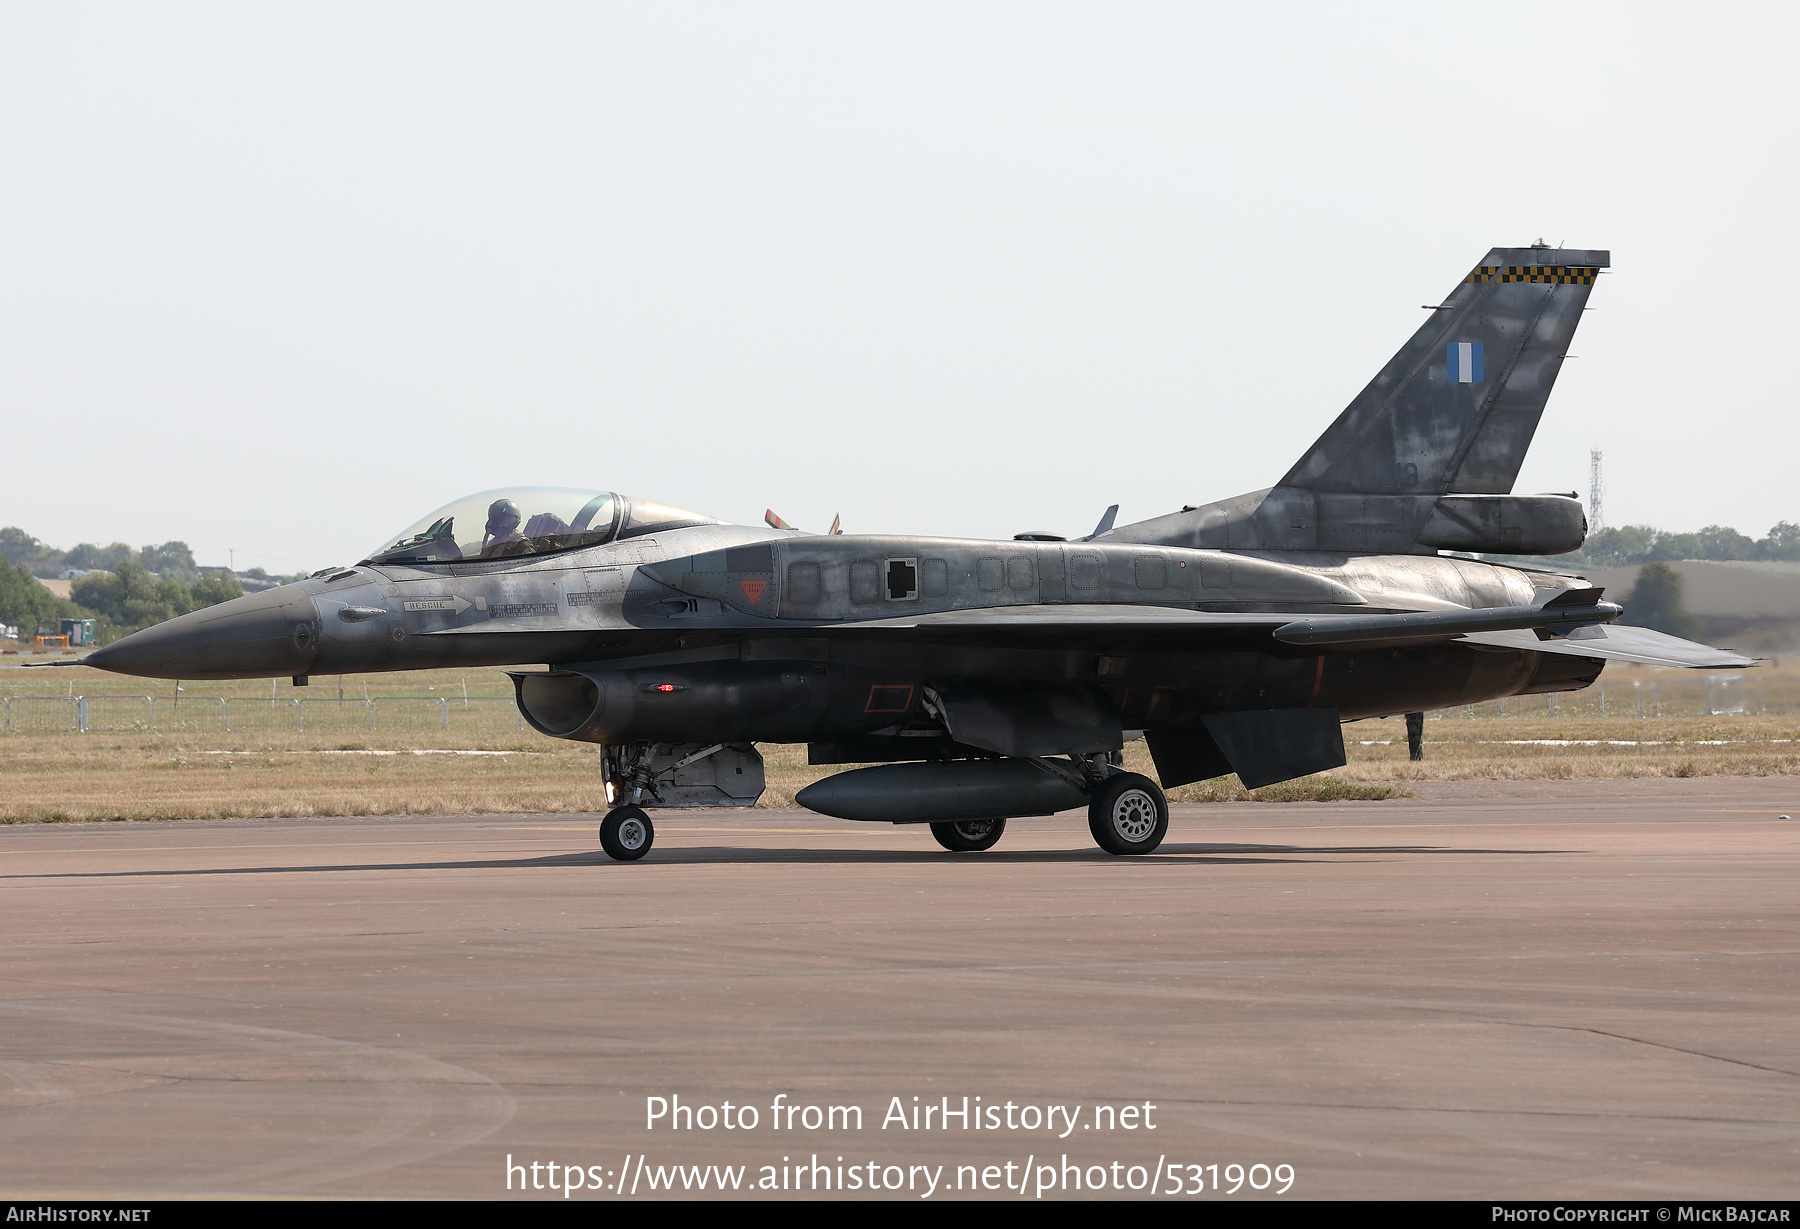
x=626, y=833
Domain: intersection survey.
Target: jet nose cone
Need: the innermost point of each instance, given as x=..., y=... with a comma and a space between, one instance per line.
x=264, y=635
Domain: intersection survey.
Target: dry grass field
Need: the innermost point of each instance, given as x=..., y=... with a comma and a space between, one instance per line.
x=449, y=743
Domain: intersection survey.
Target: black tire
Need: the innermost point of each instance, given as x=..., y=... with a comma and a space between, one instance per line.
x=969, y=835
x=626, y=833
x=1128, y=814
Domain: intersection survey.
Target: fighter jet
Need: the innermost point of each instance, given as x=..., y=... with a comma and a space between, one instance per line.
x=983, y=680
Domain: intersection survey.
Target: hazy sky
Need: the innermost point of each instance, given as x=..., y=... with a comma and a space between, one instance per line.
x=281, y=279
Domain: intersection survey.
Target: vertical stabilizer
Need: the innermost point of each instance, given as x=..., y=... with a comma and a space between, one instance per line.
x=1454, y=411
x=1425, y=457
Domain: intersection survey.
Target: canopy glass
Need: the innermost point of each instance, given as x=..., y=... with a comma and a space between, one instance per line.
x=504, y=523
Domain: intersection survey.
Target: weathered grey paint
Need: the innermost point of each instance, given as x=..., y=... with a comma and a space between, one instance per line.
x=683, y=631
x=1386, y=476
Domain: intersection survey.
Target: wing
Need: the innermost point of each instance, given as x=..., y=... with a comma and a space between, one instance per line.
x=1563, y=612
x=1569, y=623
x=1058, y=626
x=1075, y=617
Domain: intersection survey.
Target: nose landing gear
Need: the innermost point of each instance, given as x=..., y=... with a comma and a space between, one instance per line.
x=626, y=833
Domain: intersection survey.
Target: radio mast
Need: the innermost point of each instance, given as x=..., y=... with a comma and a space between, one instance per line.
x=1596, y=488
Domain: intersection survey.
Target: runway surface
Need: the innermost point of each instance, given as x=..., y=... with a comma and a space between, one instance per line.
x=1501, y=991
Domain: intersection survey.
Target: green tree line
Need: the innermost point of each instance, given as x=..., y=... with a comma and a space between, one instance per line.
x=119, y=602
x=1634, y=544
x=123, y=595
x=170, y=561
x=1656, y=601
x=131, y=587
x=129, y=599
x=24, y=603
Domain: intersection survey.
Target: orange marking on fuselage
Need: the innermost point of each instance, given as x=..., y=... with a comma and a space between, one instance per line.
x=753, y=589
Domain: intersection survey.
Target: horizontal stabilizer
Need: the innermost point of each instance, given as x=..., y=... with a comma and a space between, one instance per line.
x=1618, y=643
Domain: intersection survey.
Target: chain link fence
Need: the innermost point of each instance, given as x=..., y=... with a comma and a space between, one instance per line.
x=116, y=714
x=44, y=714
x=187, y=714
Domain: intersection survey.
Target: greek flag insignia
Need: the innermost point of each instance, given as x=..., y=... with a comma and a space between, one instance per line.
x=1464, y=360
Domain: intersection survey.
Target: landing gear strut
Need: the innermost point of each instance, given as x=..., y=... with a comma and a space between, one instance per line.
x=626, y=833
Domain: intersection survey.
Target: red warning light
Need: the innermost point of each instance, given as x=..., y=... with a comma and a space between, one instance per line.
x=665, y=687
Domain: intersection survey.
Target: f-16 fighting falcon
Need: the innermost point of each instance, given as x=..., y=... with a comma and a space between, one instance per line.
x=987, y=680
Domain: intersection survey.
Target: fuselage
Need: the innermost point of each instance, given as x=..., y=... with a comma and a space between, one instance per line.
x=733, y=633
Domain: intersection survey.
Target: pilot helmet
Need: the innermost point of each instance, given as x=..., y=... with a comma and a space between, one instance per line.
x=502, y=512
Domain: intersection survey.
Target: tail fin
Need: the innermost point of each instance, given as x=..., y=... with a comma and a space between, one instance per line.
x=1425, y=457
x=1454, y=411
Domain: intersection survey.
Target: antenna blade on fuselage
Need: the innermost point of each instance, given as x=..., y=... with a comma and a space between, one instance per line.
x=1106, y=524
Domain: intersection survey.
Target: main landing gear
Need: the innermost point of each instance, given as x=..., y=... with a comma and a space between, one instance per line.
x=968, y=835
x=1128, y=814
x=626, y=833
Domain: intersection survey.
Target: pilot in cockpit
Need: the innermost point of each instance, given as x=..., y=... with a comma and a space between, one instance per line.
x=502, y=526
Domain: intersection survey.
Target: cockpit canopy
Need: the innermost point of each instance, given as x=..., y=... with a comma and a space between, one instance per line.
x=537, y=520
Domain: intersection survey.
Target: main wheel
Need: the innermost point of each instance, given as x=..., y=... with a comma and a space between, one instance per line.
x=626, y=833
x=1128, y=814
x=969, y=835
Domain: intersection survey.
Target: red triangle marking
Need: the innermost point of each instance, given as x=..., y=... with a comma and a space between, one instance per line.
x=753, y=589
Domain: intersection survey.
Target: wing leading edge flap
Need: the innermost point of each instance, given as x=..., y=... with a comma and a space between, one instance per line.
x=1071, y=615
x=1619, y=643
x=1262, y=747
